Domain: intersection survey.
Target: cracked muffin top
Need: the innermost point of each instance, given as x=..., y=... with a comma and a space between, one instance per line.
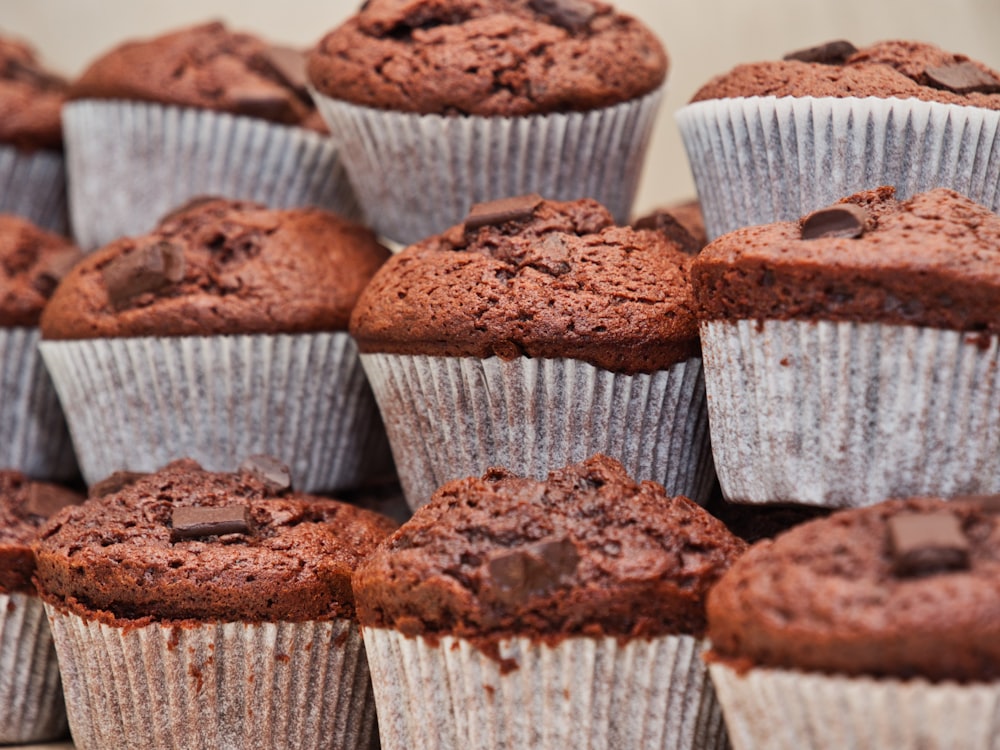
x=530, y=277
x=488, y=57
x=208, y=67
x=185, y=543
x=586, y=552
x=896, y=68
x=218, y=266
x=31, y=99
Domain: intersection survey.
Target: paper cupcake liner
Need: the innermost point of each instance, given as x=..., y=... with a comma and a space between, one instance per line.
x=139, y=403
x=849, y=414
x=787, y=710
x=593, y=693
x=454, y=417
x=33, y=435
x=130, y=163
x=416, y=175
x=31, y=698
x=758, y=160
x=33, y=185
x=215, y=686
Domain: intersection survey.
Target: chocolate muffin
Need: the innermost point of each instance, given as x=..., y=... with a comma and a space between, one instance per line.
x=534, y=334
x=585, y=572
x=223, y=595
x=207, y=338
x=851, y=356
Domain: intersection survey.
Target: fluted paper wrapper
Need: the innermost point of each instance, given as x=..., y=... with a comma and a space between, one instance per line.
x=586, y=693
x=758, y=160
x=849, y=414
x=787, y=710
x=215, y=686
x=416, y=175
x=33, y=185
x=138, y=403
x=130, y=163
x=31, y=698
x=454, y=417
x=33, y=435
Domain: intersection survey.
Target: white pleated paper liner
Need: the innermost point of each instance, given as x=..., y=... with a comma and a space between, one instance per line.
x=129, y=163
x=33, y=435
x=215, y=686
x=758, y=160
x=33, y=185
x=31, y=697
x=776, y=709
x=454, y=417
x=139, y=403
x=584, y=693
x=849, y=414
x=416, y=175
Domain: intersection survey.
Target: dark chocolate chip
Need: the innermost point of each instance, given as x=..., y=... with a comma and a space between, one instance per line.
x=288, y=65
x=44, y=499
x=260, y=100
x=841, y=220
x=831, y=53
x=115, y=483
x=272, y=473
x=569, y=14
x=532, y=569
x=673, y=230
x=927, y=543
x=962, y=78
x=194, y=522
x=501, y=211
x=147, y=268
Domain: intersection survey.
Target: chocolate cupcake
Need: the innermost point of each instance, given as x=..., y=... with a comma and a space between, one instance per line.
x=219, y=335
x=772, y=141
x=510, y=612
x=536, y=334
x=202, y=110
x=440, y=105
x=875, y=627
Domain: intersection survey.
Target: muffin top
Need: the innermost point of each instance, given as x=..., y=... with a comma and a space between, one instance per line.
x=906, y=588
x=900, y=69
x=208, y=67
x=681, y=222
x=587, y=552
x=30, y=99
x=32, y=261
x=218, y=266
x=488, y=57
x=185, y=543
x=933, y=260
x=530, y=277
x=24, y=507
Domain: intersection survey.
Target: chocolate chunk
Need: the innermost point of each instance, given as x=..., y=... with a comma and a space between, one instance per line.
x=831, y=53
x=570, y=14
x=841, y=220
x=501, y=211
x=927, y=543
x=193, y=522
x=673, y=230
x=115, y=483
x=288, y=65
x=272, y=473
x=532, y=569
x=264, y=101
x=44, y=499
x=148, y=268
x=962, y=78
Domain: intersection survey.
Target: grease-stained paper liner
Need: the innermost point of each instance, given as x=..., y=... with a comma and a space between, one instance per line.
x=416, y=175
x=758, y=160
x=33, y=185
x=33, y=435
x=454, y=417
x=139, y=403
x=849, y=414
x=215, y=686
x=584, y=693
x=130, y=163
x=31, y=697
x=777, y=709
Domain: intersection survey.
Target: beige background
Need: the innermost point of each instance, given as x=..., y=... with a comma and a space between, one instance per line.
x=703, y=38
